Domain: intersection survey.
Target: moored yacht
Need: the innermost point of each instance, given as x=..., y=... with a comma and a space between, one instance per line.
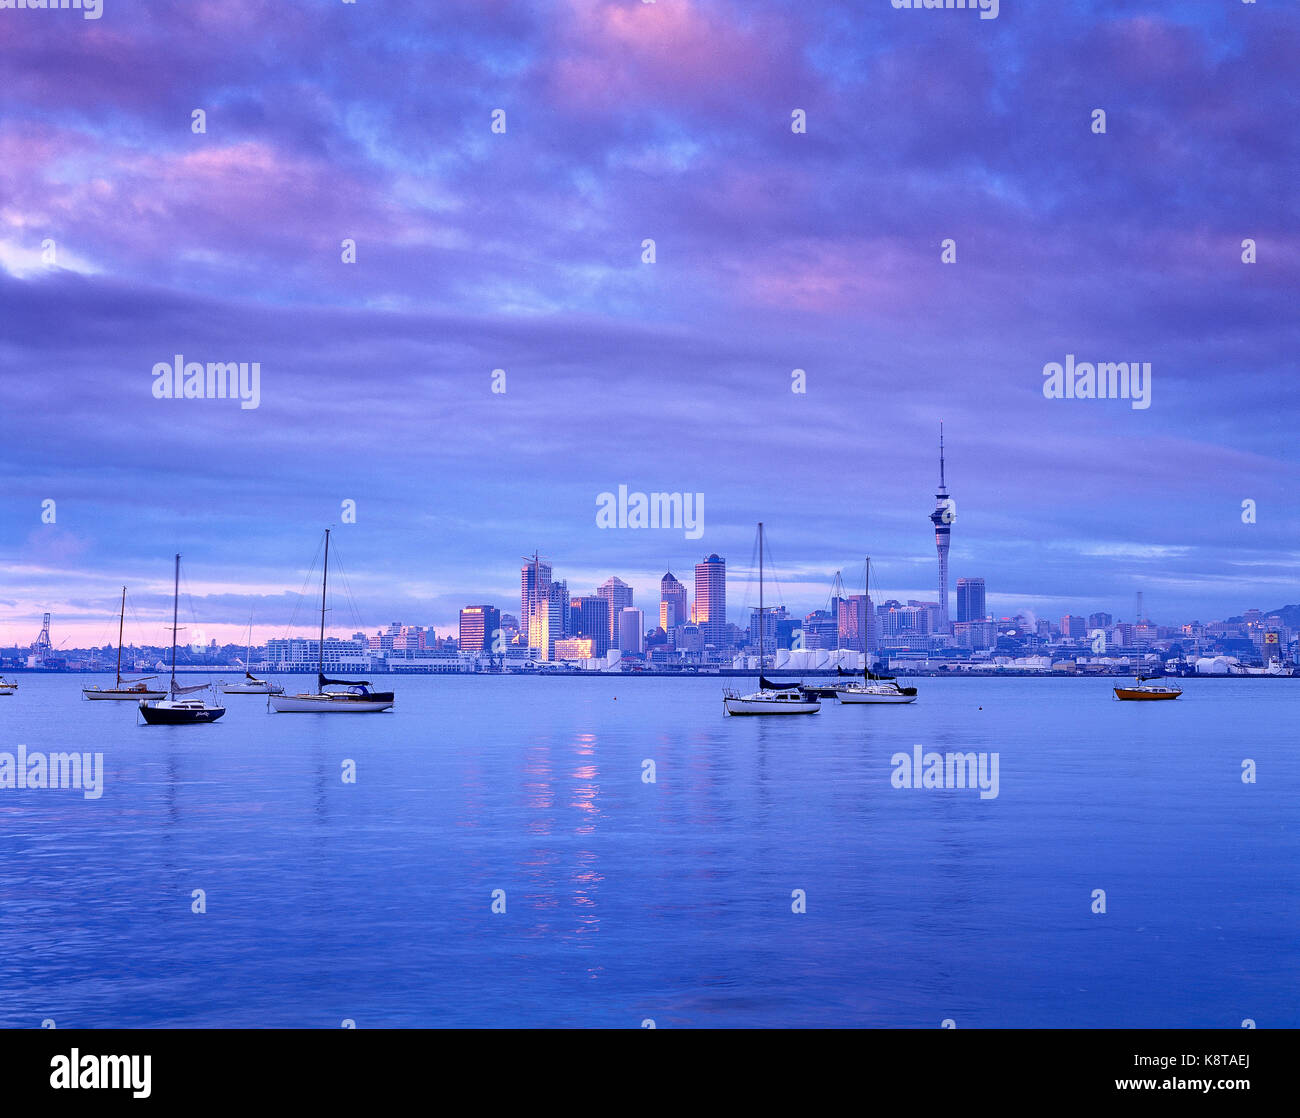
x=770, y=698
x=355, y=696
x=1145, y=691
x=873, y=688
x=7, y=686
x=123, y=689
x=876, y=690
x=250, y=684
x=176, y=711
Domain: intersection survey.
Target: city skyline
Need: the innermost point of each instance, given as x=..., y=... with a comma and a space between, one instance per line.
x=738, y=610
x=683, y=285
x=538, y=583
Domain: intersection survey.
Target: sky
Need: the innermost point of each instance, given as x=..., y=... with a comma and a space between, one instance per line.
x=127, y=238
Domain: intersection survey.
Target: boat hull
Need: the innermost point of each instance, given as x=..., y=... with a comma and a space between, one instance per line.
x=769, y=706
x=1134, y=695
x=330, y=704
x=883, y=698
x=246, y=689
x=108, y=695
x=157, y=715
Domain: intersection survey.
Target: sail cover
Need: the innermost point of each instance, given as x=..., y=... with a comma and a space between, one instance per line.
x=322, y=681
x=768, y=685
x=177, y=689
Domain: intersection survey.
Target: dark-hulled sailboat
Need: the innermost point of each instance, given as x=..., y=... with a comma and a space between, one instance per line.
x=358, y=698
x=770, y=698
x=177, y=711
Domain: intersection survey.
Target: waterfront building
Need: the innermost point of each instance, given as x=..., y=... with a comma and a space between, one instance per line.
x=575, y=648
x=590, y=619
x=619, y=596
x=970, y=599
x=477, y=624
x=534, y=587
x=631, y=631
x=674, y=604
x=710, y=612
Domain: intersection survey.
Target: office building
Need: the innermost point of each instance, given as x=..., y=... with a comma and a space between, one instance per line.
x=970, y=599
x=631, y=631
x=619, y=596
x=710, y=612
x=477, y=625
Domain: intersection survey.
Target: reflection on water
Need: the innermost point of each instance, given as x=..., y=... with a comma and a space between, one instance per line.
x=669, y=899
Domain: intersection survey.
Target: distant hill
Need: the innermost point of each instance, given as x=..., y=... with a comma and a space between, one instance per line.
x=1290, y=616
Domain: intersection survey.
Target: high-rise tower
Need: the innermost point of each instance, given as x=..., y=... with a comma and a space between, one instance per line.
x=942, y=518
x=711, y=599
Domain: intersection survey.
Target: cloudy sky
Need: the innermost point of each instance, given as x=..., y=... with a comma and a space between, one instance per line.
x=521, y=250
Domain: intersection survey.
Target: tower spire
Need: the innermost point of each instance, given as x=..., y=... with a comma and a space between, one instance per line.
x=942, y=483
x=942, y=518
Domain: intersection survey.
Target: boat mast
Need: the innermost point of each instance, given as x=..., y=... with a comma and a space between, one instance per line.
x=325, y=576
x=176, y=596
x=121, y=619
x=866, y=616
x=248, y=652
x=760, y=603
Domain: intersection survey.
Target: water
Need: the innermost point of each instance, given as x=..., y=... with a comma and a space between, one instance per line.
x=628, y=900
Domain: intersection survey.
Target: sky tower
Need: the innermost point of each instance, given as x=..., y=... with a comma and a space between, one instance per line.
x=942, y=518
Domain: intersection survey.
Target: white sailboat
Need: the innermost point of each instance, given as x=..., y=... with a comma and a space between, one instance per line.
x=8, y=686
x=356, y=696
x=770, y=698
x=250, y=684
x=882, y=690
x=130, y=690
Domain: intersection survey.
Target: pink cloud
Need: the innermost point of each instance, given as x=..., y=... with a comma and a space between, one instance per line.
x=619, y=54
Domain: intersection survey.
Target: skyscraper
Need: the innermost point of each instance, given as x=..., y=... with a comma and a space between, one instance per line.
x=534, y=586
x=591, y=619
x=631, y=630
x=711, y=599
x=619, y=596
x=477, y=624
x=674, y=603
x=852, y=613
x=550, y=620
x=970, y=599
x=942, y=519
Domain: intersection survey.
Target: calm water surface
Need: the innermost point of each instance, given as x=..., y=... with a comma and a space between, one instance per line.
x=672, y=900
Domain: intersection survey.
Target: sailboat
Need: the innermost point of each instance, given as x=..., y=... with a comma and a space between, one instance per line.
x=1144, y=691
x=177, y=711
x=822, y=688
x=123, y=689
x=873, y=688
x=8, y=686
x=250, y=684
x=356, y=699
x=770, y=698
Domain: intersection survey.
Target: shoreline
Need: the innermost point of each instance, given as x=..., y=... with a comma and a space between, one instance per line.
x=720, y=673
